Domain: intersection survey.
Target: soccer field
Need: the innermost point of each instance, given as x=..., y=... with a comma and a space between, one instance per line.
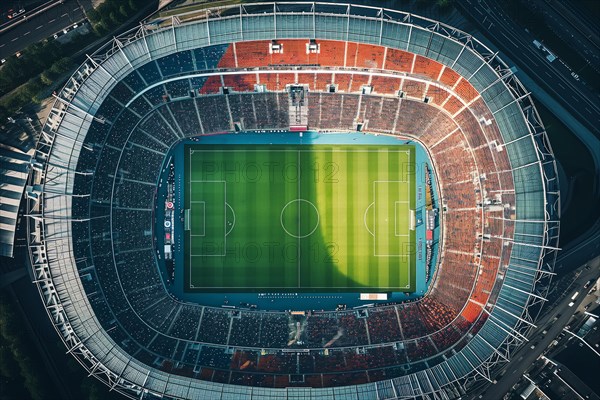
x=299, y=218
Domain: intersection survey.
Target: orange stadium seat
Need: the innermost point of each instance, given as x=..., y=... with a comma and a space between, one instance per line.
x=449, y=77
x=369, y=56
x=351, y=52
x=270, y=80
x=428, y=67
x=437, y=94
x=322, y=80
x=414, y=89
x=331, y=53
x=398, y=60
x=228, y=59
x=343, y=81
x=453, y=105
x=465, y=90
x=294, y=52
x=212, y=85
x=308, y=79
x=471, y=312
x=285, y=79
x=386, y=85
x=252, y=54
x=358, y=81
x=240, y=83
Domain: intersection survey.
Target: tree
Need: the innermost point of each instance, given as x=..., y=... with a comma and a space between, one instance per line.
x=133, y=5
x=123, y=10
x=93, y=16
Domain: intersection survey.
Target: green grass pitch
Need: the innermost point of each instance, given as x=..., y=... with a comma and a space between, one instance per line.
x=299, y=218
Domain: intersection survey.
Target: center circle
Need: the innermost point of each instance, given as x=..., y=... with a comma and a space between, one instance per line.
x=299, y=218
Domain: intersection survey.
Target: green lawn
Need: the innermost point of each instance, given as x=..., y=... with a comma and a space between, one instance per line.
x=299, y=218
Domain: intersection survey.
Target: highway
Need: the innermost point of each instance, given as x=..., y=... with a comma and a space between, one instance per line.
x=566, y=21
x=524, y=357
x=38, y=24
x=554, y=77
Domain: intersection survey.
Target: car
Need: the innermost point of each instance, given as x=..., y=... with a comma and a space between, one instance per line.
x=2, y=61
x=75, y=26
x=12, y=14
x=65, y=30
x=56, y=36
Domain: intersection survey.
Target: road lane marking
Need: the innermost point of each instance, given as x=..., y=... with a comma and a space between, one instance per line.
x=14, y=39
x=39, y=27
x=507, y=38
x=26, y=33
x=52, y=20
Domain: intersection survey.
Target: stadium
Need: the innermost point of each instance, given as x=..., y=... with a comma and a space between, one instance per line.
x=287, y=157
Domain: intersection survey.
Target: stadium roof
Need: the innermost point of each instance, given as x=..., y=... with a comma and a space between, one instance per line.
x=14, y=168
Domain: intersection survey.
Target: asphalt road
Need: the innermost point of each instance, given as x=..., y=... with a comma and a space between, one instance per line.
x=562, y=18
x=555, y=77
x=34, y=28
x=523, y=358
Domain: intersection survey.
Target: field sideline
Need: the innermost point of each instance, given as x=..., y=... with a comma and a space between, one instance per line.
x=299, y=218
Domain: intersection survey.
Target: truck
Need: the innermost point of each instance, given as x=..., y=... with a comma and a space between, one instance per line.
x=549, y=56
x=575, y=296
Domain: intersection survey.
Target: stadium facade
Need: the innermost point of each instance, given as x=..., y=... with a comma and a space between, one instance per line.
x=89, y=228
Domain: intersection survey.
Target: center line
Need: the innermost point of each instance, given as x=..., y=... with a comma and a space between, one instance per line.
x=299, y=208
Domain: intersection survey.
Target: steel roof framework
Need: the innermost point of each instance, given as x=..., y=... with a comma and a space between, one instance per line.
x=524, y=138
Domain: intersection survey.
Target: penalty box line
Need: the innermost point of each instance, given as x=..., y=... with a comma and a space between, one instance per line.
x=396, y=203
x=192, y=201
x=204, y=219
